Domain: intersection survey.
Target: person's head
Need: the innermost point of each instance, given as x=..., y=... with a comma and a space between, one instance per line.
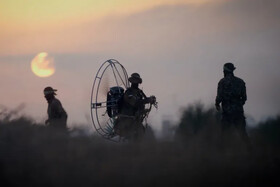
x=228, y=68
x=135, y=79
x=49, y=92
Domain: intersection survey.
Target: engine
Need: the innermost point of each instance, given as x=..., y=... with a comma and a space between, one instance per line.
x=114, y=101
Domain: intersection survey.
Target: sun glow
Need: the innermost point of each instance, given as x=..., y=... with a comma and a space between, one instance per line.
x=42, y=65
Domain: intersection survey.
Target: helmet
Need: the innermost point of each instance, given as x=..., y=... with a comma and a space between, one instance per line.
x=229, y=67
x=135, y=78
x=49, y=91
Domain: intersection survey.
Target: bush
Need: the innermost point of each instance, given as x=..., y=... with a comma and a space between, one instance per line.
x=198, y=121
x=267, y=132
x=34, y=155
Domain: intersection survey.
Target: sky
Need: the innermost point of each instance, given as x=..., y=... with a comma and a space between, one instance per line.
x=177, y=46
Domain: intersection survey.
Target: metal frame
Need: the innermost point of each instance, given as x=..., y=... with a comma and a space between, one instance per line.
x=94, y=104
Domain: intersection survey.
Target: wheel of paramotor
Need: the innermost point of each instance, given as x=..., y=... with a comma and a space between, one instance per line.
x=111, y=76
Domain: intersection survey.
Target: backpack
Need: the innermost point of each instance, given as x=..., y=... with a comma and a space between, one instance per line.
x=114, y=101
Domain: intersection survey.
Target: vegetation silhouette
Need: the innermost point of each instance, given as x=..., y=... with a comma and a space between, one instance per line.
x=35, y=155
x=202, y=127
x=267, y=133
x=198, y=121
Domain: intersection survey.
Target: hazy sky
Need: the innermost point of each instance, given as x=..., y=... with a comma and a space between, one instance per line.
x=177, y=46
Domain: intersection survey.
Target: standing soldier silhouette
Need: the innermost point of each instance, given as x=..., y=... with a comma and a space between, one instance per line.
x=129, y=124
x=232, y=94
x=57, y=117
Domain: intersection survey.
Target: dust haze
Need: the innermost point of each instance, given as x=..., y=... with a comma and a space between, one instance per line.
x=182, y=48
x=35, y=155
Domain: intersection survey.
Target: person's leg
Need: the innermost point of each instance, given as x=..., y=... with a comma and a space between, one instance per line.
x=241, y=129
x=225, y=131
x=139, y=131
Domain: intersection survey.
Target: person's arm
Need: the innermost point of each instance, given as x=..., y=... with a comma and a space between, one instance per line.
x=47, y=122
x=147, y=100
x=219, y=96
x=134, y=101
x=243, y=93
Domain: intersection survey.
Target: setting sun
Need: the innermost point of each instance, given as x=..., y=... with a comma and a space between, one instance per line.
x=42, y=65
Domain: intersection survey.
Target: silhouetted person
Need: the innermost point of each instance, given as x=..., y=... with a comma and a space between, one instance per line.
x=57, y=117
x=129, y=122
x=232, y=94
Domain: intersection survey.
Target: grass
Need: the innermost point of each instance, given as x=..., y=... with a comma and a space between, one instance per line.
x=34, y=155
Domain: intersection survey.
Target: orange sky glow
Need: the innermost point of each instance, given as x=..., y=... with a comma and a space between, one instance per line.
x=185, y=42
x=39, y=22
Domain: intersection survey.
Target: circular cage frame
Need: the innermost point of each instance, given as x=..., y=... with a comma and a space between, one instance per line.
x=95, y=104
